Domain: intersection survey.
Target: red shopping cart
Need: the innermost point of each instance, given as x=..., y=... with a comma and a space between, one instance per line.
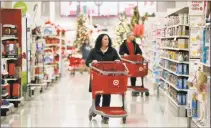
x=138, y=67
x=114, y=77
x=74, y=64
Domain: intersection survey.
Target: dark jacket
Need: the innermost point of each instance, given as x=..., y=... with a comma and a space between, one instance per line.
x=124, y=48
x=95, y=54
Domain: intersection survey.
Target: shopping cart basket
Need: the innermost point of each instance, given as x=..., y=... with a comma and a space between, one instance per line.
x=75, y=63
x=138, y=67
x=108, y=78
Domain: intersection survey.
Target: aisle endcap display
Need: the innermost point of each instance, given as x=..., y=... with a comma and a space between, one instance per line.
x=11, y=59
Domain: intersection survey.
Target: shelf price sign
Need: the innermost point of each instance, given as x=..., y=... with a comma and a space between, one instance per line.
x=195, y=40
x=196, y=8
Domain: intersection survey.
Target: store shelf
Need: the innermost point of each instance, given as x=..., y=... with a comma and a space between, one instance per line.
x=175, y=49
x=172, y=85
x=173, y=26
x=52, y=45
x=4, y=73
x=46, y=81
x=39, y=75
x=178, y=10
x=10, y=79
x=170, y=98
x=207, y=65
x=208, y=24
x=173, y=37
x=6, y=110
x=11, y=100
x=10, y=58
x=49, y=49
x=52, y=36
x=174, y=72
x=4, y=85
x=175, y=60
x=8, y=38
x=32, y=84
x=198, y=124
x=37, y=66
x=7, y=106
x=4, y=95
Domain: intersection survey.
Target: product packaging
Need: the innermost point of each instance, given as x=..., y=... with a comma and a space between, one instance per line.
x=9, y=30
x=179, y=83
x=15, y=91
x=185, y=86
x=11, y=69
x=179, y=69
x=195, y=106
x=179, y=98
x=182, y=43
x=184, y=99
x=185, y=69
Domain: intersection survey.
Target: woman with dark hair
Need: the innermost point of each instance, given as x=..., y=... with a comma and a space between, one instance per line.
x=103, y=51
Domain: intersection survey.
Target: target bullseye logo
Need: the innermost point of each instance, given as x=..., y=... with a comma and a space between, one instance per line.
x=116, y=82
x=141, y=69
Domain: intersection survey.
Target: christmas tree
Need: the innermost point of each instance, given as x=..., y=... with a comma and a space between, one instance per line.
x=135, y=18
x=121, y=30
x=82, y=31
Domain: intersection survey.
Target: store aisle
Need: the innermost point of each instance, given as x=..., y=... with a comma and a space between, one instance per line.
x=66, y=104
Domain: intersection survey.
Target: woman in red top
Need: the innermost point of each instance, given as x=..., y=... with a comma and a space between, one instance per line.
x=130, y=47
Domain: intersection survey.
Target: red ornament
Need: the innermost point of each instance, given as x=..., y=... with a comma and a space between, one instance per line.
x=48, y=22
x=139, y=30
x=58, y=31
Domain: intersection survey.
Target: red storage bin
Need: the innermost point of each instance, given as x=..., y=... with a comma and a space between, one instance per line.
x=108, y=78
x=11, y=69
x=137, y=65
x=15, y=92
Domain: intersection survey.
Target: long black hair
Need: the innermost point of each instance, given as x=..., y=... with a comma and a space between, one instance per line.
x=98, y=42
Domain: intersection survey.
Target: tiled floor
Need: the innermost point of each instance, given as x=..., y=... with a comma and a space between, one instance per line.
x=66, y=104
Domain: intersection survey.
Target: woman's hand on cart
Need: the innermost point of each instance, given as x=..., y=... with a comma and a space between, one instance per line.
x=117, y=60
x=94, y=61
x=125, y=54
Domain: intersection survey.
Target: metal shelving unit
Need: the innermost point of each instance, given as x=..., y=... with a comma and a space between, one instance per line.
x=178, y=110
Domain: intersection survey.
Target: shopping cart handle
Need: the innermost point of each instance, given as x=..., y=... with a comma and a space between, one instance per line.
x=109, y=72
x=134, y=62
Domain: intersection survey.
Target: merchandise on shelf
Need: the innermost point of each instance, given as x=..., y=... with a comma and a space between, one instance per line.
x=181, y=57
x=9, y=30
x=205, y=46
x=195, y=105
x=181, y=19
x=179, y=44
x=181, y=69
